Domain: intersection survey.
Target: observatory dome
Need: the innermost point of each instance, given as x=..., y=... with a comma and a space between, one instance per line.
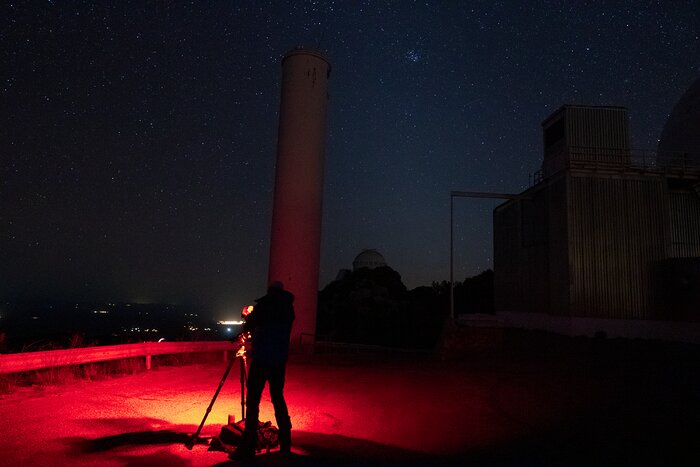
x=368, y=259
x=680, y=137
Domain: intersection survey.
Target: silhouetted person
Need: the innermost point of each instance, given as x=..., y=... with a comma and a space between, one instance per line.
x=270, y=324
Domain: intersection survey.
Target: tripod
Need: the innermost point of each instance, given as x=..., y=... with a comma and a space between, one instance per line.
x=241, y=356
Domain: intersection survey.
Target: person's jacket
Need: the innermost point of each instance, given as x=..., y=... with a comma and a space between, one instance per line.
x=270, y=325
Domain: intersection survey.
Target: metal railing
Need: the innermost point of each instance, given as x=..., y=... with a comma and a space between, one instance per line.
x=635, y=158
x=612, y=159
x=28, y=361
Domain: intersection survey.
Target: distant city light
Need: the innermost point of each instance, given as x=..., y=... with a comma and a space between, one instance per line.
x=101, y=312
x=229, y=323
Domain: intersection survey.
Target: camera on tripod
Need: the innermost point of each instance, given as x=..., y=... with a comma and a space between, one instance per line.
x=243, y=339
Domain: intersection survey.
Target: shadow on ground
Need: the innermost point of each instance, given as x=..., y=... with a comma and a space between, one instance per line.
x=136, y=433
x=587, y=442
x=309, y=448
x=133, y=439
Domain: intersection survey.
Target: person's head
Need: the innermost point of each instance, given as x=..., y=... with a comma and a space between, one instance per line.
x=275, y=286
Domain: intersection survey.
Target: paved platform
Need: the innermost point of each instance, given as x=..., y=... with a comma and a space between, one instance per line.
x=539, y=399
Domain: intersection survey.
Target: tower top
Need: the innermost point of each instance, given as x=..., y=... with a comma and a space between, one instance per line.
x=308, y=51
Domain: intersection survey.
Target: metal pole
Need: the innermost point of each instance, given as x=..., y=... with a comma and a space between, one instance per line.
x=469, y=194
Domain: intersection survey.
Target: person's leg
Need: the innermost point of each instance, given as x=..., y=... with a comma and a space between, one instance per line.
x=276, y=380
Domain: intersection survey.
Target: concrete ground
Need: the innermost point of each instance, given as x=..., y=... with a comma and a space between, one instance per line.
x=538, y=399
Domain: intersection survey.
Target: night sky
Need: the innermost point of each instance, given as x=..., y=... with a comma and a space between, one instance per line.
x=137, y=144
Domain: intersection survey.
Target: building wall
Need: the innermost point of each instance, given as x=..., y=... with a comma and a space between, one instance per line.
x=618, y=231
x=559, y=288
x=590, y=245
x=508, y=290
x=678, y=277
x=530, y=258
x=534, y=246
x=597, y=127
x=685, y=224
x=585, y=136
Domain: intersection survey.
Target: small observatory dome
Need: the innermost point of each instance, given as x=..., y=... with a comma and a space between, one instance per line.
x=680, y=138
x=368, y=259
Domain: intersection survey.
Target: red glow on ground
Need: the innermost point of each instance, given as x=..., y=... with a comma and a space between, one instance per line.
x=504, y=408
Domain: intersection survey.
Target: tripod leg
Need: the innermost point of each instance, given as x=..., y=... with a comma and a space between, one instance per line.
x=190, y=442
x=243, y=381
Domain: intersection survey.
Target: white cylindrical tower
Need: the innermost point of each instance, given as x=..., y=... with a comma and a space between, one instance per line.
x=295, y=241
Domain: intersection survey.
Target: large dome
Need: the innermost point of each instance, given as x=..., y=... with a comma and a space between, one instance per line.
x=368, y=259
x=680, y=138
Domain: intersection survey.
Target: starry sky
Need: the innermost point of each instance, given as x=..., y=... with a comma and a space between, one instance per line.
x=137, y=145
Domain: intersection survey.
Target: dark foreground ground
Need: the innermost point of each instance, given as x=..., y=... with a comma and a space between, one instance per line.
x=538, y=399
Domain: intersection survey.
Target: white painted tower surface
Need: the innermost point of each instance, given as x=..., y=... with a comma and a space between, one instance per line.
x=295, y=241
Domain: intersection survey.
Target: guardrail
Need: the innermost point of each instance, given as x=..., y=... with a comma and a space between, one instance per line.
x=27, y=361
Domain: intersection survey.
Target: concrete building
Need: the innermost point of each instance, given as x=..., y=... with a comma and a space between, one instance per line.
x=295, y=241
x=609, y=237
